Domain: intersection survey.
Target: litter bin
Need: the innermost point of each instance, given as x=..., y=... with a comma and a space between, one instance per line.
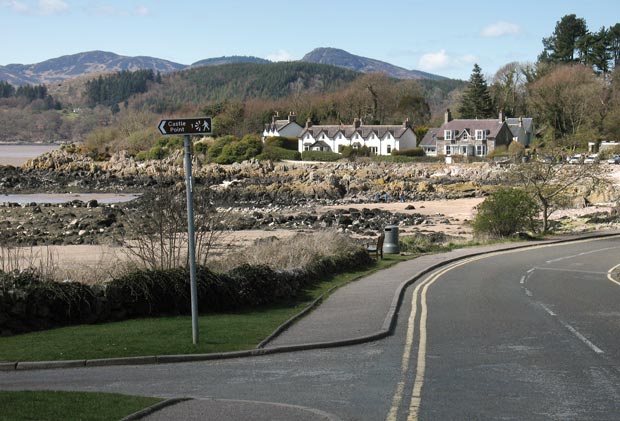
x=390, y=243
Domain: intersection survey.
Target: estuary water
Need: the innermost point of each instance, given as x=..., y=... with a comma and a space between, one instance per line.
x=18, y=154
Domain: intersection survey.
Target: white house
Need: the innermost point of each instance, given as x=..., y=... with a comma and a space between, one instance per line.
x=285, y=128
x=380, y=139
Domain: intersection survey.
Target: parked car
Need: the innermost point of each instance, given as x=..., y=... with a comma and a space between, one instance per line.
x=575, y=159
x=591, y=159
x=615, y=159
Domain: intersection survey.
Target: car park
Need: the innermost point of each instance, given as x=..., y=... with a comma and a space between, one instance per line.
x=615, y=159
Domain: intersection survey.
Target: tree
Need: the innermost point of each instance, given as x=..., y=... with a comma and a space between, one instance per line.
x=476, y=101
x=560, y=47
x=614, y=44
x=508, y=89
x=506, y=212
x=553, y=182
x=566, y=102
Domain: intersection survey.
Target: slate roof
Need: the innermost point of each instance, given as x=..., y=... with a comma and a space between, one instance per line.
x=277, y=125
x=349, y=130
x=527, y=123
x=492, y=127
x=430, y=138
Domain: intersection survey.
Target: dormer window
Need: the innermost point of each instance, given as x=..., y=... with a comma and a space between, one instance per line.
x=465, y=136
x=480, y=134
x=447, y=134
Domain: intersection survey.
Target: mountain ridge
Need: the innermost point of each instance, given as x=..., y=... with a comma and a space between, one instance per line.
x=59, y=69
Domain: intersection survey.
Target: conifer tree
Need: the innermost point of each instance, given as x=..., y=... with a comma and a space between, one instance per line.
x=476, y=101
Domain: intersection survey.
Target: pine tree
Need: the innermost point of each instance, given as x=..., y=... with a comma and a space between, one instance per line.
x=476, y=101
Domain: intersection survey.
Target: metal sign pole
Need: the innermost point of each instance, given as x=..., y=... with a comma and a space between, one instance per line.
x=190, y=240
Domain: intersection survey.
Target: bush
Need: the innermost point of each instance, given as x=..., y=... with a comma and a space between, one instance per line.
x=279, y=154
x=506, y=212
x=320, y=156
x=28, y=303
x=408, y=152
x=290, y=143
x=246, y=148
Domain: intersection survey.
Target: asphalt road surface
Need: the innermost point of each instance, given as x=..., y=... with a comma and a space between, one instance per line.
x=529, y=334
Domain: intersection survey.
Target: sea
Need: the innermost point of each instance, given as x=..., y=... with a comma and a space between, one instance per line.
x=18, y=154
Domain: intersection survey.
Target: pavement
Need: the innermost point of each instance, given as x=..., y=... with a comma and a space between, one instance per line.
x=362, y=311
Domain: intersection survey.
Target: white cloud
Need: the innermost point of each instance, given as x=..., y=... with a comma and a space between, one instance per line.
x=434, y=61
x=18, y=7
x=441, y=60
x=142, y=10
x=500, y=29
x=281, y=55
x=42, y=7
x=49, y=7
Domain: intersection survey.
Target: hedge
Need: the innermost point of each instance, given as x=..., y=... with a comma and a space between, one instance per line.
x=320, y=156
x=29, y=303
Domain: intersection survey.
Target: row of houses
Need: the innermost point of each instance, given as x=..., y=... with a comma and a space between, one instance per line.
x=470, y=137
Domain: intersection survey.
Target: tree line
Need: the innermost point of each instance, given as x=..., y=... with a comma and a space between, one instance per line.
x=110, y=90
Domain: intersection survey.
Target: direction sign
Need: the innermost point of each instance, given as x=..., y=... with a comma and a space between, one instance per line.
x=185, y=126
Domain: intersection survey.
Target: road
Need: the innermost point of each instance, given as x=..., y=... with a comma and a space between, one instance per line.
x=529, y=334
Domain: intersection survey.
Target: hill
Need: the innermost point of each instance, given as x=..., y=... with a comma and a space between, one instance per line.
x=217, y=61
x=71, y=66
x=344, y=59
x=97, y=62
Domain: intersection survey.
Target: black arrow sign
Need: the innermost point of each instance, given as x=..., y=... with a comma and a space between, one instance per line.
x=185, y=126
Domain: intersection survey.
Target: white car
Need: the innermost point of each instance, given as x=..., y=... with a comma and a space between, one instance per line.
x=615, y=159
x=591, y=159
x=575, y=159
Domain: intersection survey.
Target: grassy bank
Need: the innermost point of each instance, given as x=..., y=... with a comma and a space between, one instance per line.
x=168, y=335
x=53, y=405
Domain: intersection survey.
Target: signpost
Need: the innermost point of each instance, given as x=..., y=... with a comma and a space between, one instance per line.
x=187, y=127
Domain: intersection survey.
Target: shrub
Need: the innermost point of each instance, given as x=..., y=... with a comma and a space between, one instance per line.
x=290, y=143
x=246, y=148
x=506, y=212
x=279, y=154
x=408, y=152
x=320, y=156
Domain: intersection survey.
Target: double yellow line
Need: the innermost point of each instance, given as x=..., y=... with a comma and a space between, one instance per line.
x=420, y=368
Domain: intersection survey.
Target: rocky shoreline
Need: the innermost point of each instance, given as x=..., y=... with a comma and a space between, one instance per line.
x=262, y=195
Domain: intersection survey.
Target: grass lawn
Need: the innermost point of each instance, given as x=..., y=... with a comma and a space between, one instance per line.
x=52, y=405
x=168, y=335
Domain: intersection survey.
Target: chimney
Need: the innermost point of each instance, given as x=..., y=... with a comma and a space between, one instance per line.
x=292, y=117
x=274, y=117
x=356, y=123
x=308, y=123
x=447, y=116
x=520, y=121
x=407, y=123
x=501, y=115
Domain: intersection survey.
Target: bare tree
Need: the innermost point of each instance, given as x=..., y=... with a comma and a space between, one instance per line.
x=553, y=182
x=157, y=230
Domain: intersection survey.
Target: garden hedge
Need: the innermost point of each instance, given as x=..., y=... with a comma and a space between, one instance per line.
x=29, y=303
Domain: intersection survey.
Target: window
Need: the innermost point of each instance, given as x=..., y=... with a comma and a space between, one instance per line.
x=388, y=149
x=448, y=150
x=480, y=134
x=374, y=150
x=481, y=150
x=447, y=134
x=307, y=148
x=465, y=136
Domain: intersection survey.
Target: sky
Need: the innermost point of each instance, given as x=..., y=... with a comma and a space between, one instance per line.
x=445, y=37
